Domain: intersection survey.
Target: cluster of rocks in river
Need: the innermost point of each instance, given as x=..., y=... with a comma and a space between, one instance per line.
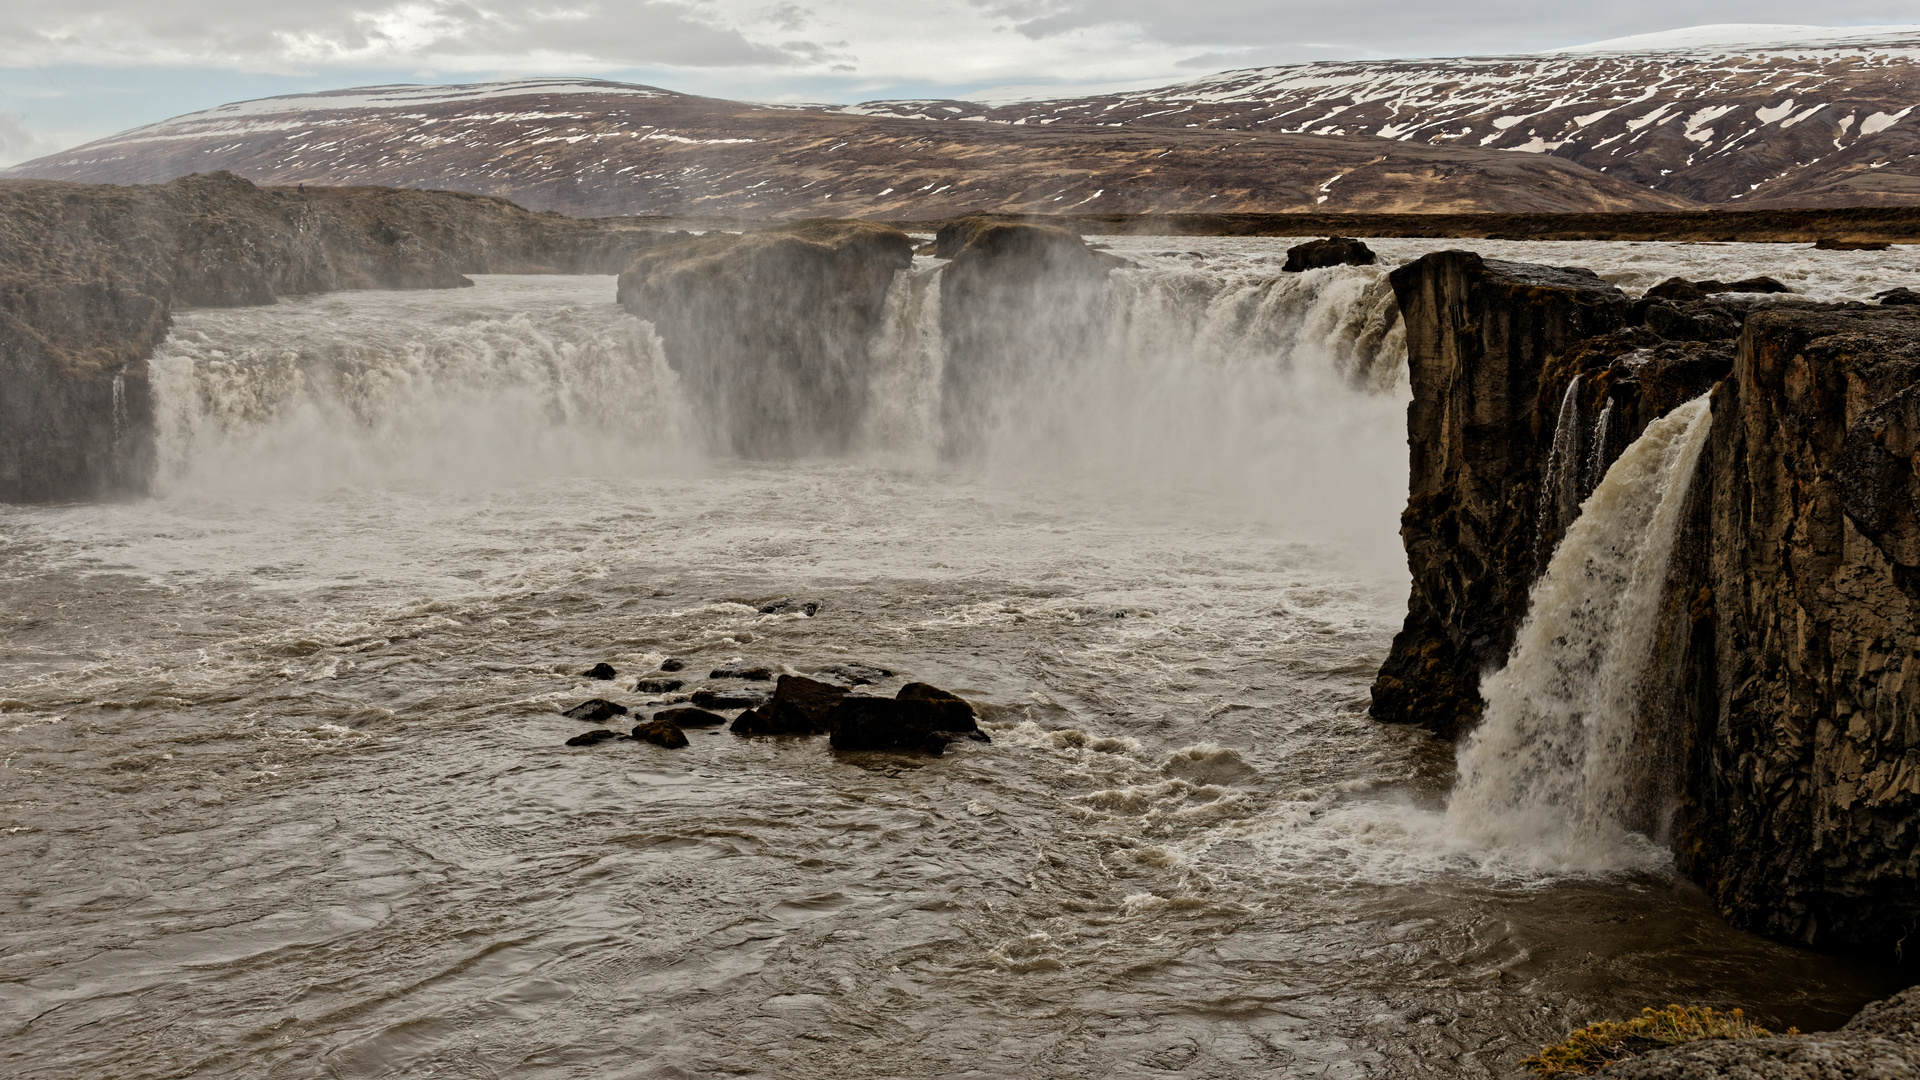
x=918, y=718
x=1778, y=715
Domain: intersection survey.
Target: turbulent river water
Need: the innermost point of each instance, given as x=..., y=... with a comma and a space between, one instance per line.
x=283, y=789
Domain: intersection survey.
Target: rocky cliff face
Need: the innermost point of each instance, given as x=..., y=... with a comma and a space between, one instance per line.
x=1777, y=736
x=89, y=275
x=1479, y=335
x=771, y=330
x=1802, y=810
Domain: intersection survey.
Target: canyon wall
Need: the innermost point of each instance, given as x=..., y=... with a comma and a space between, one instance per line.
x=1777, y=728
x=89, y=275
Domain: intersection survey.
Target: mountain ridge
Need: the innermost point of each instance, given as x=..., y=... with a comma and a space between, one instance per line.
x=1811, y=117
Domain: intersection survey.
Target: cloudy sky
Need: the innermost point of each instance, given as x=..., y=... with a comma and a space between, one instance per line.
x=79, y=69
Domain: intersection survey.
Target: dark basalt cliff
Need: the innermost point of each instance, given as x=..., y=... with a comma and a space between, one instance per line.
x=770, y=331
x=90, y=274
x=1778, y=732
x=1802, y=807
x=1479, y=335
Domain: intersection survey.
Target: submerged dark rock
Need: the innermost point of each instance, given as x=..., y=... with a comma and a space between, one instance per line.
x=594, y=710
x=662, y=733
x=602, y=670
x=686, y=718
x=1332, y=251
x=749, y=672
x=599, y=735
x=1897, y=297
x=791, y=606
x=799, y=706
x=673, y=663
x=734, y=698
x=770, y=331
x=658, y=686
x=854, y=674
x=925, y=720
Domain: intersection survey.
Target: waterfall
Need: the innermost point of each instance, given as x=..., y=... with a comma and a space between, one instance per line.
x=903, y=412
x=1551, y=769
x=1560, y=483
x=1278, y=388
x=373, y=387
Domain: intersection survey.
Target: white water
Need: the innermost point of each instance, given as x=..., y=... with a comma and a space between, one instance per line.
x=1550, y=767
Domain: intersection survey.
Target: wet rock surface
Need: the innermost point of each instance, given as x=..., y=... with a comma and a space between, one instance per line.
x=749, y=672
x=853, y=674
x=770, y=330
x=690, y=718
x=799, y=706
x=601, y=671
x=661, y=733
x=726, y=698
x=1332, y=251
x=791, y=606
x=920, y=718
x=657, y=686
x=1882, y=1043
x=89, y=276
x=592, y=738
x=594, y=710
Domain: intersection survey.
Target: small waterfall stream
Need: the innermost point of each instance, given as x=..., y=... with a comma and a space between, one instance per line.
x=1550, y=770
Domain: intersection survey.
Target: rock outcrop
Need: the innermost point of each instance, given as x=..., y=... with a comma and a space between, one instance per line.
x=918, y=717
x=1882, y=1042
x=770, y=331
x=89, y=276
x=1777, y=732
x=799, y=706
x=1018, y=301
x=1479, y=335
x=1332, y=251
x=1800, y=682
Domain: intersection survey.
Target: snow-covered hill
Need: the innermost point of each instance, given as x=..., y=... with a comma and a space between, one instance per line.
x=1737, y=115
x=598, y=148
x=1744, y=114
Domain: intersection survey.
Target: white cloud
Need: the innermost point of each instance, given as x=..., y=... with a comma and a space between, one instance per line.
x=873, y=44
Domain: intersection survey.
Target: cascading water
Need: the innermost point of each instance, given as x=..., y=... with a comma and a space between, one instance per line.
x=1550, y=771
x=511, y=381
